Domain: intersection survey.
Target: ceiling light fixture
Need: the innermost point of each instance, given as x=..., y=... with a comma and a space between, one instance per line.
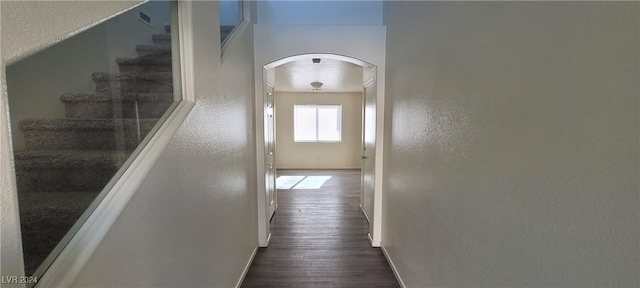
x=317, y=86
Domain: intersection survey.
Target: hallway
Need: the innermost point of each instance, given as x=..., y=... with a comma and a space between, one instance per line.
x=319, y=237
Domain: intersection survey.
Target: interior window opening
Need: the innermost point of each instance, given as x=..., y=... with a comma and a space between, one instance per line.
x=80, y=111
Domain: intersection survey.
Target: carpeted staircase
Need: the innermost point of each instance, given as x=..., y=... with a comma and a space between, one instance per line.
x=68, y=161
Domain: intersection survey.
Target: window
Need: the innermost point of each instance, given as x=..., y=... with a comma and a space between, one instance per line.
x=79, y=111
x=231, y=15
x=317, y=123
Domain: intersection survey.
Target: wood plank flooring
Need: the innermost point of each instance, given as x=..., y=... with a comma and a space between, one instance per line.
x=319, y=238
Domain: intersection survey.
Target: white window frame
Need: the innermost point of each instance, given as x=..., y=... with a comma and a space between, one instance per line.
x=238, y=30
x=317, y=106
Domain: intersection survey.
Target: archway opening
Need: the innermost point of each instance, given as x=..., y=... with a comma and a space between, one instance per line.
x=330, y=73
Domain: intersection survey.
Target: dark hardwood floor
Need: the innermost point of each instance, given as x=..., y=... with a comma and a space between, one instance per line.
x=319, y=238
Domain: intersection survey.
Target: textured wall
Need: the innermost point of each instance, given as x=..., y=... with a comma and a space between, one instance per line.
x=319, y=12
x=27, y=26
x=512, y=152
x=35, y=83
x=305, y=155
x=193, y=222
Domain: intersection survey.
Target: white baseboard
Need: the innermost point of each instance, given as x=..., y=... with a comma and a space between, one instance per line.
x=373, y=243
x=393, y=267
x=246, y=267
x=266, y=243
x=365, y=214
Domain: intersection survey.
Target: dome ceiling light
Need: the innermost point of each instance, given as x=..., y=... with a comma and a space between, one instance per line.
x=317, y=86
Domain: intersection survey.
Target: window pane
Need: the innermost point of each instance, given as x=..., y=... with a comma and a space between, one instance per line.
x=79, y=109
x=231, y=14
x=329, y=124
x=305, y=123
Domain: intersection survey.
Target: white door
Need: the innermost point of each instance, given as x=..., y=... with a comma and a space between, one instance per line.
x=269, y=150
x=368, y=147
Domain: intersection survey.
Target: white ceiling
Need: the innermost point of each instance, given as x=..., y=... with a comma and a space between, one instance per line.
x=336, y=75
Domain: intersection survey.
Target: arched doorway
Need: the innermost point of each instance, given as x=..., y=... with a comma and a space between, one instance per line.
x=370, y=201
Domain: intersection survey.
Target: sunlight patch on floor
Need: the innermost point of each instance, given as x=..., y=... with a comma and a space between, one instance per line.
x=301, y=182
x=286, y=182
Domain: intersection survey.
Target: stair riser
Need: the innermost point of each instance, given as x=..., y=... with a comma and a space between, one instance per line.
x=154, y=50
x=93, y=177
x=104, y=110
x=145, y=68
x=135, y=85
x=160, y=52
x=84, y=139
x=161, y=39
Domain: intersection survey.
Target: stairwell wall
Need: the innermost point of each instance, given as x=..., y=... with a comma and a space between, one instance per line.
x=123, y=35
x=512, y=153
x=193, y=221
x=36, y=82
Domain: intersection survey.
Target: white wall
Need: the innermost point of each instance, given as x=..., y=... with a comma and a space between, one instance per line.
x=36, y=82
x=512, y=147
x=193, y=221
x=229, y=12
x=319, y=12
x=126, y=31
x=319, y=155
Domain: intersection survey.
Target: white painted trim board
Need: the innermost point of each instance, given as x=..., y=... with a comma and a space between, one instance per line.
x=393, y=266
x=246, y=267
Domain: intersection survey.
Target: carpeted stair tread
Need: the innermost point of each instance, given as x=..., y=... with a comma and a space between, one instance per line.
x=84, y=134
x=161, y=38
x=153, y=49
x=145, y=64
x=101, y=105
x=66, y=170
x=71, y=200
x=80, y=124
x=45, y=217
x=145, y=61
x=140, y=82
x=104, y=76
x=67, y=158
x=96, y=97
x=225, y=30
